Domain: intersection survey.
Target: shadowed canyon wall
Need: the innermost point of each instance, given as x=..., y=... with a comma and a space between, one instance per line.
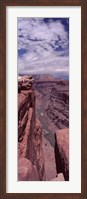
x=62, y=152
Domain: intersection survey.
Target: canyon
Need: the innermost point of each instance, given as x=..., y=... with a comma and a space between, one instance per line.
x=43, y=128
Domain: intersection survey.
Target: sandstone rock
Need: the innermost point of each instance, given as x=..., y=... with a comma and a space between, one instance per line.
x=37, y=141
x=26, y=100
x=25, y=83
x=21, y=101
x=27, y=171
x=53, y=97
x=49, y=160
x=62, y=152
x=22, y=125
x=29, y=134
x=59, y=177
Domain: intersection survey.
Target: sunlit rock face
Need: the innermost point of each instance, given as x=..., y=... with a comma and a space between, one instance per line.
x=30, y=152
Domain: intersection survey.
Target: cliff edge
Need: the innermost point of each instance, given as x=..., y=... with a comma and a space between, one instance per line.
x=30, y=154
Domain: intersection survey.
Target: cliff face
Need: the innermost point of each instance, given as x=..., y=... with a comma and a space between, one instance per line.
x=54, y=100
x=36, y=137
x=30, y=154
x=52, y=109
x=58, y=108
x=62, y=152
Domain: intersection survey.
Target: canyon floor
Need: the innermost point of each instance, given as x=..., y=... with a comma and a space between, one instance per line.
x=52, y=110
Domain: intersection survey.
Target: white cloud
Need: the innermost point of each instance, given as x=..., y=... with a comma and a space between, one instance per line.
x=40, y=40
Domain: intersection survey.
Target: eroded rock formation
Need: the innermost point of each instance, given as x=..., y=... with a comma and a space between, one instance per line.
x=62, y=152
x=52, y=107
x=30, y=154
x=27, y=171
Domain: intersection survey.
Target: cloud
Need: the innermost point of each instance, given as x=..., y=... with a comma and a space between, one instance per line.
x=43, y=45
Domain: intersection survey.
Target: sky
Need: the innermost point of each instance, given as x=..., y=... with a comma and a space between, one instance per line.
x=43, y=45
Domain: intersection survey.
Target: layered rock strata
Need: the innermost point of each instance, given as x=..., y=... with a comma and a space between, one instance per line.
x=30, y=154
x=32, y=166
x=52, y=108
x=54, y=99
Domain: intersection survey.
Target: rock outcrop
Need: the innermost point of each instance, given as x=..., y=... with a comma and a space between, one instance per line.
x=29, y=134
x=59, y=177
x=50, y=102
x=62, y=152
x=58, y=107
x=26, y=170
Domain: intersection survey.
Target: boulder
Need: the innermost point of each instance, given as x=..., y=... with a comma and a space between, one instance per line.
x=27, y=171
x=59, y=177
x=62, y=152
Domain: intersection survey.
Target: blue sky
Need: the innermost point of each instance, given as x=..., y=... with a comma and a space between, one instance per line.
x=43, y=45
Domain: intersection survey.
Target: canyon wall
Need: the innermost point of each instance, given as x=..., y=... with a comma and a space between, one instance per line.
x=52, y=106
x=46, y=159
x=30, y=154
x=62, y=152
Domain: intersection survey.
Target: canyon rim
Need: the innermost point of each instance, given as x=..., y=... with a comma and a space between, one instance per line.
x=43, y=99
